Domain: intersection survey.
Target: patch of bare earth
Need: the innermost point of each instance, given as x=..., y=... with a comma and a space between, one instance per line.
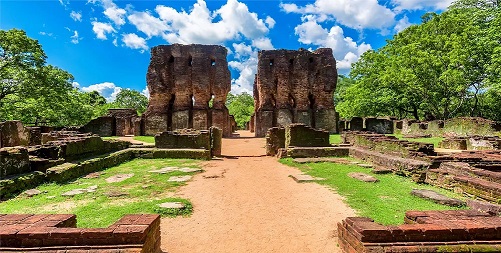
x=248, y=203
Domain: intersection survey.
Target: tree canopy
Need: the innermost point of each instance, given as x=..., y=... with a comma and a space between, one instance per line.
x=447, y=66
x=241, y=106
x=37, y=93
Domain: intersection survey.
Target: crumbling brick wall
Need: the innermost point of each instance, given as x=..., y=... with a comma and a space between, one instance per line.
x=58, y=233
x=295, y=86
x=182, y=80
x=13, y=160
x=118, y=122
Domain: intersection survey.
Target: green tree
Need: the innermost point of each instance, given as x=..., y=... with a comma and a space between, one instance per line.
x=241, y=106
x=127, y=98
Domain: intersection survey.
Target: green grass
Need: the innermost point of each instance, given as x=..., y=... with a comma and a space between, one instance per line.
x=145, y=190
x=432, y=140
x=148, y=139
x=335, y=138
x=385, y=201
x=109, y=137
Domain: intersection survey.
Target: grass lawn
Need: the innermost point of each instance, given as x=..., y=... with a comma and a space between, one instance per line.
x=148, y=139
x=386, y=201
x=109, y=137
x=432, y=140
x=142, y=193
x=335, y=138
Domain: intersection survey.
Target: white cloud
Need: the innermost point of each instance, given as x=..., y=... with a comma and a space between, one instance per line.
x=46, y=34
x=75, y=39
x=101, y=29
x=106, y=89
x=146, y=92
x=149, y=25
x=115, y=42
x=75, y=85
x=345, y=50
x=133, y=41
x=421, y=4
x=200, y=25
x=263, y=44
x=402, y=24
x=357, y=14
x=113, y=12
x=77, y=16
x=246, y=65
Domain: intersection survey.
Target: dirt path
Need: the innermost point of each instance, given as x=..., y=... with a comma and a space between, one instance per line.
x=247, y=203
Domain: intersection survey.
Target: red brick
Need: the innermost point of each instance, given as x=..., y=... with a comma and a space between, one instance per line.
x=97, y=232
x=31, y=242
x=372, y=232
x=34, y=219
x=351, y=220
x=147, y=219
x=11, y=229
x=66, y=233
x=15, y=217
x=128, y=219
x=64, y=219
x=35, y=232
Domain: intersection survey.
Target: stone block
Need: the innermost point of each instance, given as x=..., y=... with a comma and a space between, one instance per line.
x=13, y=134
x=102, y=126
x=284, y=117
x=379, y=125
x=200, y=120
x=35, y=136
x=264, y=121
x=327, y=120
x=154, y=124
x=356, y=124
x=300, y=135
x=181, y=120
x=303, y=117
x=275, y=139
x=216, y=136
x=187, y=138
x=14, y=160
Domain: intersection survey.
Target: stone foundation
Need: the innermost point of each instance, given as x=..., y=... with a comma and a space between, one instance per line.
x=133, y=233
x=425, y=231
x=472, y=143
x=294, y=135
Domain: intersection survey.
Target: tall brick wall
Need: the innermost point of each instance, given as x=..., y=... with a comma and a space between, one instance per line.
x=295, y=86
x=182, y=80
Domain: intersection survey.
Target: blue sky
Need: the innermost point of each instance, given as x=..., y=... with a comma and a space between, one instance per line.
x=105, y=43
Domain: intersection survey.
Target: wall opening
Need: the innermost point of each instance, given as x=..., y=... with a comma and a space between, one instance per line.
x=190, y=111
x=190, y=61
x=171, y=59
x=170, y=108
x=311, y=99
x=291, y=62
x=211, y=101
x=272, y=61
x=311, y=59
x=212, y=62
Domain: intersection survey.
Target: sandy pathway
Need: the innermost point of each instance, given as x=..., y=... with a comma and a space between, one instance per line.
x=249, y=204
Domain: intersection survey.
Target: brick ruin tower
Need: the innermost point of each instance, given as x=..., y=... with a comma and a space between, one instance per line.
x=188, y=85
x=295, y=87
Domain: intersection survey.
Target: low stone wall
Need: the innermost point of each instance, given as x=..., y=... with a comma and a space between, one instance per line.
x=303, y=152
x=294, y=135
x=472, y=143
x=184, y=138
x=462, y=126
x=412, y=168
x=462, y=177
x=58, y=233
x=425, y=231
x=388, y=144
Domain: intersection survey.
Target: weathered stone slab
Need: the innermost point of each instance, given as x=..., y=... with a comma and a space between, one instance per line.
x=322, y=160
x=79, y=191
x=119, y=178
x=303, y=178
x=190, y=170
x=363, y=177
x=179, y=178
x=365, y=165
x=172, y=205
x=437, y=197
x=381, y=170
x=32, y=192
x=483, y=206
